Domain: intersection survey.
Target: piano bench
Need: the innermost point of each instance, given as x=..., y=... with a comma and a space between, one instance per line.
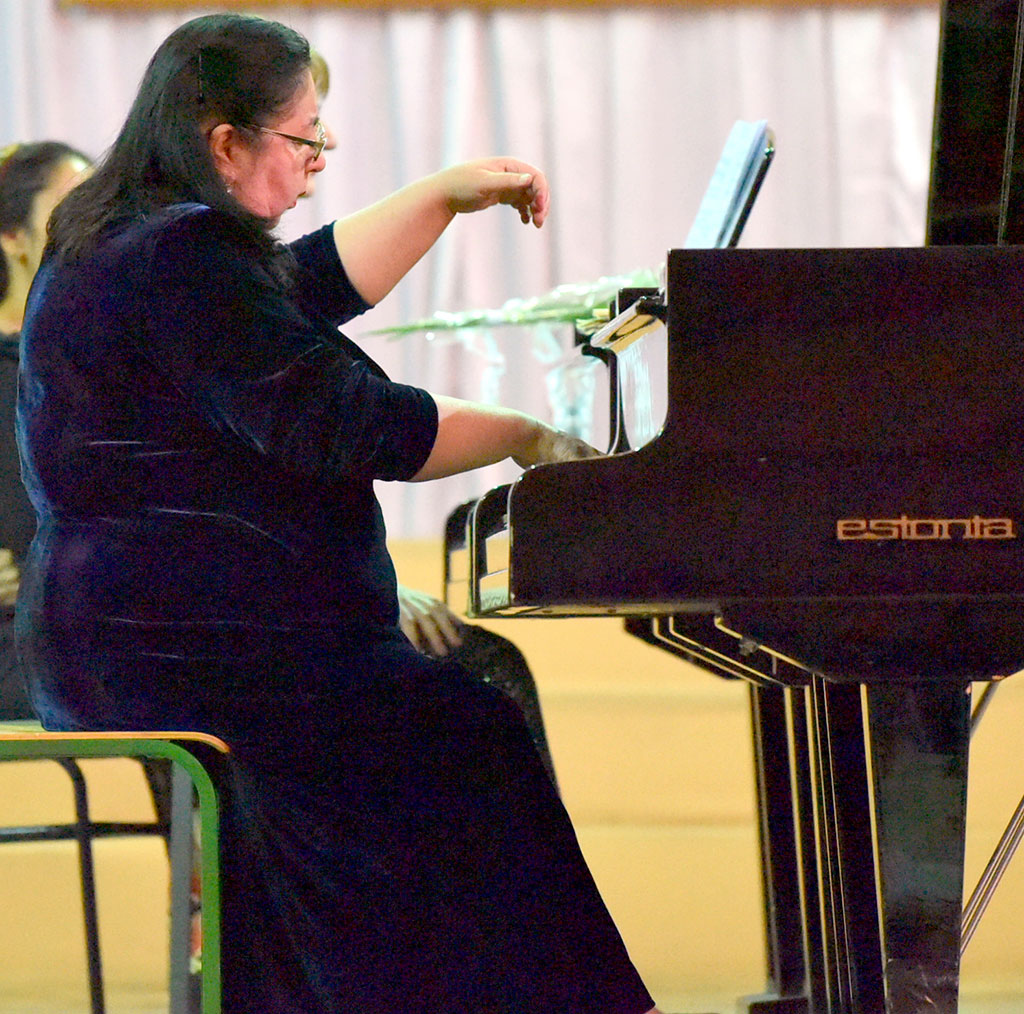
x=193, y=757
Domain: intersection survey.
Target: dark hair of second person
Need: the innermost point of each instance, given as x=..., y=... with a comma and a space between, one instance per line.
x=26, y=171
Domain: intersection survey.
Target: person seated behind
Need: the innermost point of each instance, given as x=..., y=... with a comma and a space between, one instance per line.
x=201, y=445
x=33, y=178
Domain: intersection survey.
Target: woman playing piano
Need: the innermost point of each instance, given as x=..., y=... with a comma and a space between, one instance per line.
x=201, y=443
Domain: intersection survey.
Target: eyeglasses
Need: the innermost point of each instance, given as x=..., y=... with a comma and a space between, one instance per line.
x=317, y=145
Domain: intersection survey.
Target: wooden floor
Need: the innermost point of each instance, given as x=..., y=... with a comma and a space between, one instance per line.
x=156, y=1003
x=78, y=1003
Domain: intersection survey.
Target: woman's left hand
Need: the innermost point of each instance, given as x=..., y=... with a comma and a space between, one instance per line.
x=9, y=578
x=379, y=244
x=431, y=626
x=473, y=186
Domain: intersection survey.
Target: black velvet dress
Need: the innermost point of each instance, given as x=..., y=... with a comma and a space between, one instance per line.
x=200, y=447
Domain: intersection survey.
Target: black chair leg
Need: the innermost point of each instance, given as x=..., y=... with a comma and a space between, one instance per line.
x=83, y=835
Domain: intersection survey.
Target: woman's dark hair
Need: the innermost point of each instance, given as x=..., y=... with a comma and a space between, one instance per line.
x=222, y=68
x=25, y=170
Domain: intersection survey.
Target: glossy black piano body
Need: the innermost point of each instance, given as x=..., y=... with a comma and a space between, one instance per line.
x=832, y=510
x=845, y=429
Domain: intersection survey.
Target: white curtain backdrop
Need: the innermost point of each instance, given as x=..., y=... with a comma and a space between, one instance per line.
x=625, y=109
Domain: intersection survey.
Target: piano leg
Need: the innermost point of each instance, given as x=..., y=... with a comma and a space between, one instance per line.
x=780, y=864
x=802, y=731
x=920, y=738
x=854, y=978
x=891, y=874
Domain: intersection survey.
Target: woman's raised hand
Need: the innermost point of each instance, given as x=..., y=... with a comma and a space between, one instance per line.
x=473, y=186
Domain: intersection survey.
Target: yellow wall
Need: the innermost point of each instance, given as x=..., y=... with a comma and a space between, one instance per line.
x=654, y=763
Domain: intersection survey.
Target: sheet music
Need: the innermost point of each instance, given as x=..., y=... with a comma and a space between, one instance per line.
x=730, y=191
x=643, y=386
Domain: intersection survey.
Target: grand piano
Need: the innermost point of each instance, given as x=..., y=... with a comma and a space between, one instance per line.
x=828, y=505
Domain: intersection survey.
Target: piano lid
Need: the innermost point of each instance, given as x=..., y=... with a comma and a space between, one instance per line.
x=976, y=193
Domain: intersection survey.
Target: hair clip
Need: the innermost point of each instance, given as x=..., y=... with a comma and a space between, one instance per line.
x=200, y=98
x=6, y=153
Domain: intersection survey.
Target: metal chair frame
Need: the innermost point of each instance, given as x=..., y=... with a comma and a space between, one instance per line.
x=191, y=754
